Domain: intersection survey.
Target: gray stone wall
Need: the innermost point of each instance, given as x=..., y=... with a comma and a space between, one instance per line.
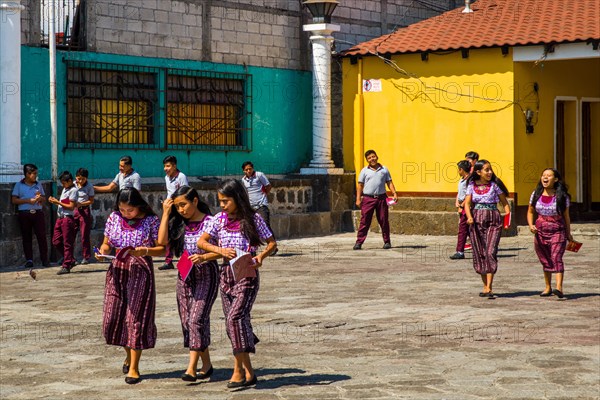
x=265, y=33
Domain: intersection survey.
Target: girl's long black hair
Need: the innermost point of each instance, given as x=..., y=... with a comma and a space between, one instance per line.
x=235, y=189
x=478, y=167
x=177, y=223
x=561, y=191
x=132, y=197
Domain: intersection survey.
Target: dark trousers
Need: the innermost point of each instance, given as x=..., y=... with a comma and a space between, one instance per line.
x=264, y=212
x=33, y=223
x=83, y=216
x=63, y=238
x=380, y=207
x=463, y=233
x=168, y=255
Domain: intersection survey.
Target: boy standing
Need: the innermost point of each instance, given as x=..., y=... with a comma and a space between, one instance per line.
x=464, y=168
x=174, y=179
x=371, y=197
x=83, y=213
x=28, y=196
x=65, y=228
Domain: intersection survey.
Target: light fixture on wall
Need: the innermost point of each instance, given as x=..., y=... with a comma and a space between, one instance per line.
x=528, y=119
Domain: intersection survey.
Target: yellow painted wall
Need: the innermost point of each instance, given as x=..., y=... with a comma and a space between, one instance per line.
x=421, y=126
x=534, y=152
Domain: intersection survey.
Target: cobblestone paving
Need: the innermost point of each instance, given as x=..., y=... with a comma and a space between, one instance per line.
x=334, y=323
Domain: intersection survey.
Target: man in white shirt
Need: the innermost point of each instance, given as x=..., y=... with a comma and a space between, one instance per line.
x=258, y=188
x=174, y=179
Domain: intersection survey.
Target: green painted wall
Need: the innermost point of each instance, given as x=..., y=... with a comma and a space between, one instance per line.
x=281, y=131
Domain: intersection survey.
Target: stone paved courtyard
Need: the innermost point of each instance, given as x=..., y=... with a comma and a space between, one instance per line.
x=405, y=323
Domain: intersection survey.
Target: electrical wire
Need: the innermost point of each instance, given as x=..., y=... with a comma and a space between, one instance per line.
x=421, y=93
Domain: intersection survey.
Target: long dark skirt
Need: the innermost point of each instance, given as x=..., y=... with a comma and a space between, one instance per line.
x=485, y=237
x=237, y=299
x=550, y=242
x=195, y=298
x=129, y=304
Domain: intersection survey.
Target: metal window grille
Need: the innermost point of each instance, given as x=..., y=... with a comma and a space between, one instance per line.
x=120, y=106
x=111, y=106
x=208, y=110
x=69, y=23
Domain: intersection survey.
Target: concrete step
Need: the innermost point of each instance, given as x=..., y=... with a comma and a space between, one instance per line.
x=437, y=223
x=591, y=229
x=428, y=204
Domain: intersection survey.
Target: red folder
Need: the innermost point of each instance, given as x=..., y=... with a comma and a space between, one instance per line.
x=507, y=220
x=184, y=265
x=66, y=201
x=574, y=246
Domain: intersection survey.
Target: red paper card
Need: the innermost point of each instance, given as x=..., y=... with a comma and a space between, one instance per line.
x=574, y=246
x=184, y=265
x=507, y=220
x=66, y=201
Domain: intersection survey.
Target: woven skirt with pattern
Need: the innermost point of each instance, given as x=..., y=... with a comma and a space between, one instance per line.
x=485, y=237
x=195, y=298
x=238, y=299
x=550, y=242
x=129, y=304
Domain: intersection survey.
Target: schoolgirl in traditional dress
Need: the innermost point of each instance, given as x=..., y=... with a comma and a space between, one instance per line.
x=183, y=221
x=130, y=296
x=552, y=229
x=484, y=191
x=238, y=227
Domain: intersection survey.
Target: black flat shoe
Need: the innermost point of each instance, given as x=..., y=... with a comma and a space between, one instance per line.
x=188, y=378
x=482, y=294
x=546, y=294
x=490, y=295
x=132, y=381
x=558, y=293
x=251, y=382
x=207, y=374
x=235, y=385
x=125, y=368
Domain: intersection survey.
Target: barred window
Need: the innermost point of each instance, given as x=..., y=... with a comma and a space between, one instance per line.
x=206, y=110
x=120, y=106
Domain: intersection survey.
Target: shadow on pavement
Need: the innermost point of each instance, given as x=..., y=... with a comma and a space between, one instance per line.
x=299, y=380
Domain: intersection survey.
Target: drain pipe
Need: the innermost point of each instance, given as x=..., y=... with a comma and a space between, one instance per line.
x=359, y=120
x=52, y=56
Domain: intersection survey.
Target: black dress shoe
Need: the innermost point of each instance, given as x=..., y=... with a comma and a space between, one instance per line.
x=251, y=382
x=235, y=385
x=125, y=368
x=132, y=381
x=188, y=378
x=207, y=374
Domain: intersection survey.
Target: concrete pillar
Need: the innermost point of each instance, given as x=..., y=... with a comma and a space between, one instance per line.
x=321, y=40
x=10, y=91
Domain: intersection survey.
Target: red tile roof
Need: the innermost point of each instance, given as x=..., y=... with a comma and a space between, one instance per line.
x=494, y=23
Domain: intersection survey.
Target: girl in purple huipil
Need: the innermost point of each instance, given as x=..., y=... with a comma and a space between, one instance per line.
x=484, y=191
x=552, y=229
x=129, y=295
x=238, y=227
x=184, y=219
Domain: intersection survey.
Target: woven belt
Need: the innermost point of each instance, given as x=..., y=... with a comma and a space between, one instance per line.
x=486, y=206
